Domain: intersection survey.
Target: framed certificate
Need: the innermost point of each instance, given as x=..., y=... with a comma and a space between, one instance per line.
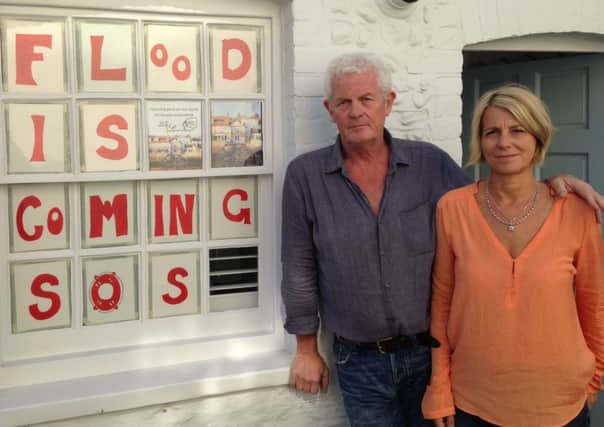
x=174, y=134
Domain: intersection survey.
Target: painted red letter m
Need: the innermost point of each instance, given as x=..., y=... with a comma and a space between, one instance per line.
x=104, y=209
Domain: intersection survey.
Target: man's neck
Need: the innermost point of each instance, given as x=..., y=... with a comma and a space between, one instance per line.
x=367, y=166
x=366, y=152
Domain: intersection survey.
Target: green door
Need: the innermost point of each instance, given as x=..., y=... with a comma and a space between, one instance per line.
x=573, y=89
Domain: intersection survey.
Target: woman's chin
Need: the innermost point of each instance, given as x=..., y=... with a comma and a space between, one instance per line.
x=510, y=170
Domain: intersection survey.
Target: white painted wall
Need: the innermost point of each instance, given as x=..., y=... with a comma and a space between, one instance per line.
x=422, y=42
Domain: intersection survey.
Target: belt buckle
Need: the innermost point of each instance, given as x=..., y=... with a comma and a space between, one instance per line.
x=382, y=341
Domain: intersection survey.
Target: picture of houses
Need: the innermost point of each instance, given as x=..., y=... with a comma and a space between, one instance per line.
x=174, y=135
x=236, y=133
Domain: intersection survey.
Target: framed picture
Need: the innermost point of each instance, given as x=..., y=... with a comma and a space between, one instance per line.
x=236, y=129
x=106, y=56
x=33, y=55
x=174, y=134
x=41, y=295
x=235, y=58
x=172, y=55
x=108, y=136
x=110, y=289
x=174, y=289
x=37, y=137
x=39, y=217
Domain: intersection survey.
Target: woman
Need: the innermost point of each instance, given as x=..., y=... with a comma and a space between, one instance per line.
x=518, y=284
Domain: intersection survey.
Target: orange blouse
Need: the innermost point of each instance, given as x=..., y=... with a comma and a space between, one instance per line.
x=522, y=339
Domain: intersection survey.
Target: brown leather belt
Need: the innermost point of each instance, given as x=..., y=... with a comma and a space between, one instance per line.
x=394, y=344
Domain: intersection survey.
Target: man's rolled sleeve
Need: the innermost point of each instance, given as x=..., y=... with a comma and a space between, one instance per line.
x=299, y=284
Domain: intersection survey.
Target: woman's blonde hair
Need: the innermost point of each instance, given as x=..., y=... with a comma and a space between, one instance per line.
x=525, y=106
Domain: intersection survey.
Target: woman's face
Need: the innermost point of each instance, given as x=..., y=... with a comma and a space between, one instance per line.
x=506, y=145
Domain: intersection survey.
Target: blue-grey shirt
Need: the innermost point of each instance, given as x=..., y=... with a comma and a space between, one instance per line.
x=367, y=275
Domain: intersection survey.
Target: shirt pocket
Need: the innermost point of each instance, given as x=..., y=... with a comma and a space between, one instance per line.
x=417, y=228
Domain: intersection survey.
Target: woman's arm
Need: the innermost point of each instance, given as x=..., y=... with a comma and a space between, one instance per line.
x=438, y=400
x=589, y=286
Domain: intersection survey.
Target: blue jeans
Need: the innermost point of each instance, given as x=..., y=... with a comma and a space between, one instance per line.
x=463, y=419
x=383, y=390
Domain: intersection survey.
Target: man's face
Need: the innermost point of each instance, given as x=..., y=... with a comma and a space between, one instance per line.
x=358, y=107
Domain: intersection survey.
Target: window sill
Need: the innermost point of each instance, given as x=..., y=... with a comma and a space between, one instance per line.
x=136, y=388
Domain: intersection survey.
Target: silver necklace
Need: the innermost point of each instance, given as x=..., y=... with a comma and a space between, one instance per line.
x=512, y=223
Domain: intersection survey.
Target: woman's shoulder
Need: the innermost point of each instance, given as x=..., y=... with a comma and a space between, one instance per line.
x=575, y=207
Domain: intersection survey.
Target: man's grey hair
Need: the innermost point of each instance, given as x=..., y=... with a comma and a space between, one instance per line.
x=355, y=63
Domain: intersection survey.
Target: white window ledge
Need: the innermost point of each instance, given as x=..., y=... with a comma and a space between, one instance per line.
x=125, y=390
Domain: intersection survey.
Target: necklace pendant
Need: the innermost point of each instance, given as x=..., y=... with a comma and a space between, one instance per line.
x=511, y=227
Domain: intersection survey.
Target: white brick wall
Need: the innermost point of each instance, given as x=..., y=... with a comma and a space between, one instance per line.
x=423, y=46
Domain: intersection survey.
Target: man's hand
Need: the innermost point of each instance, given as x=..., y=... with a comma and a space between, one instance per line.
x=308, y=371
x=562, y=184
x=445, y=422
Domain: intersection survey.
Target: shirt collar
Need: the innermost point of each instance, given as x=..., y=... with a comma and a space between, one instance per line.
x=397, y=155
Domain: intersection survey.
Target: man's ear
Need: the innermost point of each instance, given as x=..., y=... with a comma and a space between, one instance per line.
x=328, y=108
x=390, y=97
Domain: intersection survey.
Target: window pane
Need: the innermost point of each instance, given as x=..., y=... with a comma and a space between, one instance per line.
x=174, y=284
x=173, y=211
x=233, y=207
x=110, y=214
x=39, y=217
x=106, y=56
x=110, y=289
x=236, y=133
x=41, y=297
x=38, y=137
x=233, y=278
x=174, y=134
x=172, y=55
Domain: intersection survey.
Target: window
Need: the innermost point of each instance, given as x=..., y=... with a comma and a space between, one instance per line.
x=137, y=180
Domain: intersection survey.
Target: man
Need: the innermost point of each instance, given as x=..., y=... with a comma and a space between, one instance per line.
x=358, y=243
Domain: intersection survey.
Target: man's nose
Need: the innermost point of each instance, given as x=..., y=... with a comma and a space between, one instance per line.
x=355, y=109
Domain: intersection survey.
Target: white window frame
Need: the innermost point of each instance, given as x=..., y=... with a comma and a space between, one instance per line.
x=94, y=350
